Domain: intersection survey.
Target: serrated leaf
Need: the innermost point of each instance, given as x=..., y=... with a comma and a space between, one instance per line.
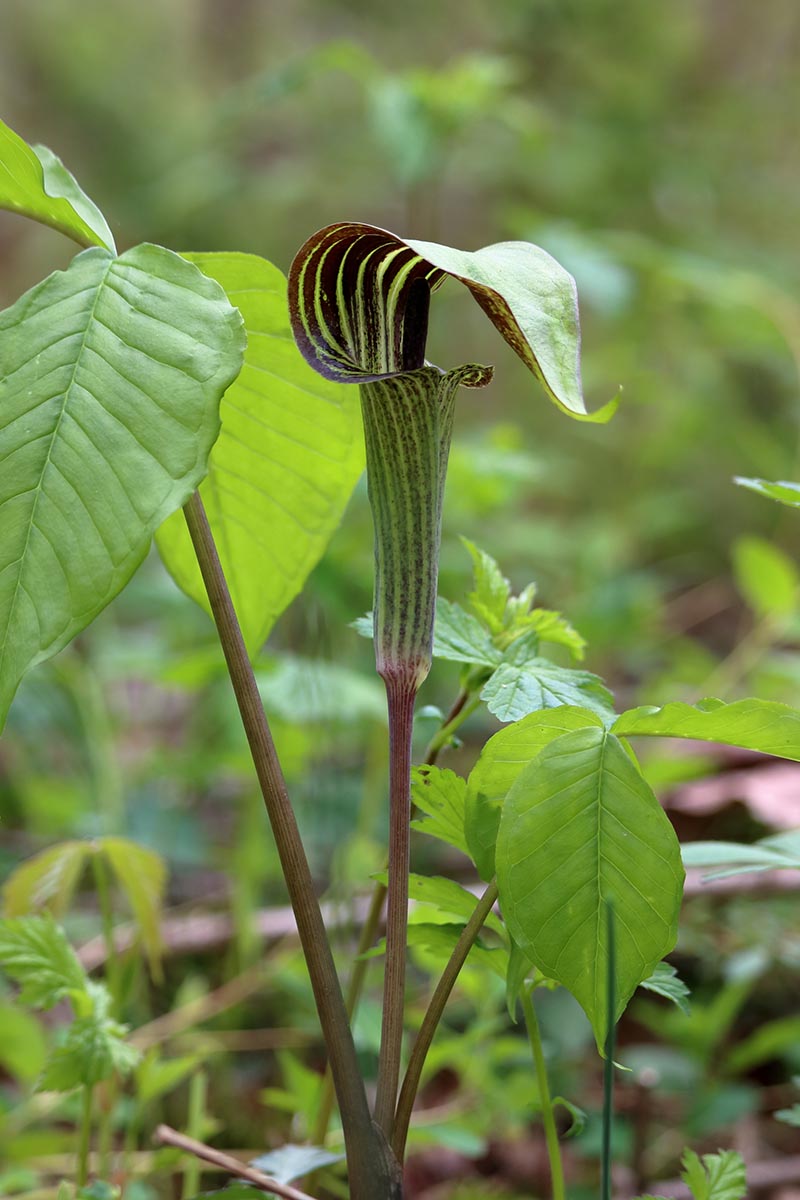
x=580, y=826
x=36, y=184
x=753, y=724
x=293, y=1162
x=766, y=577
x=459, y=636
x=501, y=761
x=784, y=491
x=439, y=794
x=441, y=937
x=142, y=875
x=289, y=454
x=718, y=1177
x=490, y=595
x=93, y=1049
x=110, y=378
x=515, y=690
x=554, y=628
x=35, y=953
x=47, y=879
x=666, y=982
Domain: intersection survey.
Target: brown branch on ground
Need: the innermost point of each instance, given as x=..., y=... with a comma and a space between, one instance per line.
x=170, y=1137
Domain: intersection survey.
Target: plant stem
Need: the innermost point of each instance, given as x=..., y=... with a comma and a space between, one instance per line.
x=170, y=1137
x=548, y=1118
x=400, y=694
x=369, y=930
x=198, y=1091
x=85, y=1137
x=372, y=1172
x=433, y=1015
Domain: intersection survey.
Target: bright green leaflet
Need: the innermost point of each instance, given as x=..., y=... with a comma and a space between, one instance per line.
x=36, y=184
x=111, y=374
x=782, y=490
x=766, y=577
x=288, y=457
x=762, y=725
x=517, y=689
x=580, y=826
x=439, y=794
x=502, y=760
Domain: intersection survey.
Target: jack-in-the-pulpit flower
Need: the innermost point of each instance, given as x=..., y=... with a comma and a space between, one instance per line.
x=359, y=299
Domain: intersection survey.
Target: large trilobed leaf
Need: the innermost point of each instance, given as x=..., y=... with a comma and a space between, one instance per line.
x=111, y=374
x=288, y=457
x=36, y=184
x=579, y=827
x=762, y=725
x=503, y=759
x=359, y=295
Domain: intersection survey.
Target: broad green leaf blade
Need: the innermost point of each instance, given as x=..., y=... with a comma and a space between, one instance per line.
x=666, y=982
x=515, y=690
x=458, y=636
x=293, y=1162
x=358, y=298
x=23, y=1048
x=439, y=794
x=766, y=855
x=766, y=577
x=111, y=374
x=36, y=184
x=289, y=454
x=48, y=878
x=784, y=491
x=579, y=826
x=762, y=725
x=449, y=897
x=35, y=953
x=502, y=760
x=142, y=875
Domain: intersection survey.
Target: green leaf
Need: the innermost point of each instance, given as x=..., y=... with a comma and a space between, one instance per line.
x=772, y=1040
x=580, y=826
x=780, y=851
x=293, y=1162
x=439, y=794
x=789, y=1116
x=446, y=896
x=360, y=331
x=502, y=759
x=783, y=491
x=754, y=724
x=47, y=879
x=766, y=577
x=289, y=454
x=578, y=1115
x=307, y=689
x=110, y=378
x=666, y=982
x=93, y=1049
x=22, y=1044
x=36, y=184
x=458, y=636
x=142, y=875
x=35, y=953
x=156, y=1076
x=492, y=590
x=719, y=1177
x=517, y=689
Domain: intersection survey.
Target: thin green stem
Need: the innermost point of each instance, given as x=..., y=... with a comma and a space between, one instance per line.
x=430, y=1021
x=373, y=1174
x=198, y=1093
x=85, y=1137
x=112, y=963
x=548, y=1116
x=453, y=721
x=401, y=693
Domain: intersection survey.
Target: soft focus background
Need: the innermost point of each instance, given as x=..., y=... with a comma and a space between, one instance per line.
x=653, y=150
